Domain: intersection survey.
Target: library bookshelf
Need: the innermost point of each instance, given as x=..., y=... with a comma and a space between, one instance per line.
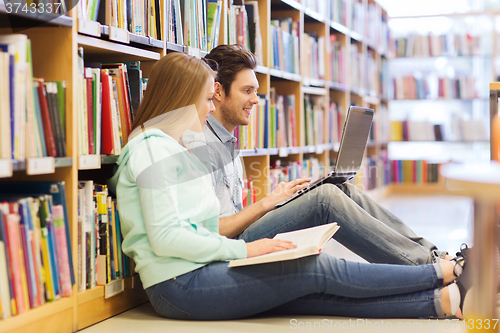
x=440, y=78
x=345, y=35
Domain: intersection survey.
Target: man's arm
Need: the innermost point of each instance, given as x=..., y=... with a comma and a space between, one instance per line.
x=234, y=225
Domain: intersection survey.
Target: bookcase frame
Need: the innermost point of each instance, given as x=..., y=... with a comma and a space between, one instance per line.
x=55, y=57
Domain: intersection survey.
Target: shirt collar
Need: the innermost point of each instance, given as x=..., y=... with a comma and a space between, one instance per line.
x=220, y=130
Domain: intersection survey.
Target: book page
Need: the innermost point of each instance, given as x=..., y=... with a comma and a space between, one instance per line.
x=316, y=236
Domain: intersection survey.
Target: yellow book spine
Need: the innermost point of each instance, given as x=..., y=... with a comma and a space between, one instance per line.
x=49, y=288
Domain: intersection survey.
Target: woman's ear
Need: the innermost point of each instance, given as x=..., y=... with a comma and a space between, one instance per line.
x=218, y=91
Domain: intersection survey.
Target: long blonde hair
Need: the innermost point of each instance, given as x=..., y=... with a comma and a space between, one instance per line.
x=176, y=81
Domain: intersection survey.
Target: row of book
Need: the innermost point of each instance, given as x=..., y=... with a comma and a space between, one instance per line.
x=244, y=26
x=256, y=134
x=375, y=172
x=109, y=96
x=377, y=28
x=100, y=256
x=357, y=76
x=414, y=171
x=138, y=17
x=35, y=251
x=412, y=87
x=273, y=123
x=457, y=130
x=285, y=45
x=432, y=45
x=337, y=60
x=32, y=110
x=313, y=56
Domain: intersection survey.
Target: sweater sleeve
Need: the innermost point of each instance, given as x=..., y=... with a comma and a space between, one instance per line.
x=168, y=234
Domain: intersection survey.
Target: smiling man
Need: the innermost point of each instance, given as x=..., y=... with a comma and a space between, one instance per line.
x=366, y=228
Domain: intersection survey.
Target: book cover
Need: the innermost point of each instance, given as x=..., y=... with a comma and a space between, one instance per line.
x=309, y=241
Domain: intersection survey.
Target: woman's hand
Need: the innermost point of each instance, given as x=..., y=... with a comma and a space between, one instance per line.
x=266, y=245
x=283, y=191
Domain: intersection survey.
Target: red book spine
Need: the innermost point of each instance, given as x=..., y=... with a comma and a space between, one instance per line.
x=44, y=109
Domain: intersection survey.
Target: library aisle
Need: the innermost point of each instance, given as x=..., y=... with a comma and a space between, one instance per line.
x=445, y=220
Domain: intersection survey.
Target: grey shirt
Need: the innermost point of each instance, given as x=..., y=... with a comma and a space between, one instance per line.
x=222, y=161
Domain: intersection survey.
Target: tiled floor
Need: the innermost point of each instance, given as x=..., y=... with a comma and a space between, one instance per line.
x=444, y=220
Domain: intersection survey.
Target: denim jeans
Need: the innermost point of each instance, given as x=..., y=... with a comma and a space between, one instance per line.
x=320, y=285
x=366, y=228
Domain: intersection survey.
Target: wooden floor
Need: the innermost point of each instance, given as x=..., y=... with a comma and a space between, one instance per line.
x=442, y=219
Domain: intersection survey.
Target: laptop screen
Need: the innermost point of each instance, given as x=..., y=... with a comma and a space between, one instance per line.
x=354, y=138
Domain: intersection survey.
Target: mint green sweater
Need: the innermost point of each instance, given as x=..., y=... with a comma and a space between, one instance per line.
x=169, y=213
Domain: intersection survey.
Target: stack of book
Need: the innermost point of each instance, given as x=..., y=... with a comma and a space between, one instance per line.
x=372, y=73
x=256, y=134
x=358, y=18
x=338, y=11
x=35, y=251
x=31, y=109
x=100, y=256
x=285, y=45
x=109, y=97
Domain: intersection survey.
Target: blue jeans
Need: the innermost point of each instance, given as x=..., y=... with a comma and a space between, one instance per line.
x=319, y=285
x=366, y=228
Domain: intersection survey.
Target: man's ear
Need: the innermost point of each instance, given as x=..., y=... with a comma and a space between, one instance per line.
x=219, y=91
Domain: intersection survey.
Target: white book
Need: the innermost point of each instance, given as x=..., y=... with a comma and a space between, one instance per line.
x=308, y=241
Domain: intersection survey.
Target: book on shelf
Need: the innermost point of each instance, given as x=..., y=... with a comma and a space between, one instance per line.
x=285, y=45
x=37, y=252
x=142, y=18
x=313, y=61
x=457, y=130
x=337, y=60
x=248, y=192
x=414, y=171
x=433, y=45
x=309, y=242
x=256, y=134
x=314, y=120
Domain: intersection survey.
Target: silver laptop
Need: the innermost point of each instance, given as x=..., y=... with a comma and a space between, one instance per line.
x=352, y=148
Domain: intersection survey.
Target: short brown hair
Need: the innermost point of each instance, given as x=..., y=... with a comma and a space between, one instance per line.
x=230, y=60
x=175, y=82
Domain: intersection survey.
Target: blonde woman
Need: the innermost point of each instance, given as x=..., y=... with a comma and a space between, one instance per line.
x=169, y=215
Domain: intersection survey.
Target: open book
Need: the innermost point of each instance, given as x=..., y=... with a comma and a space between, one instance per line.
x=309, y=242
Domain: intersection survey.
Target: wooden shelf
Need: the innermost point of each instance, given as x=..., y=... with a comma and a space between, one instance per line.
x=412, y=188
x=106, y=49
x=42, y=319
x=93, y=307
